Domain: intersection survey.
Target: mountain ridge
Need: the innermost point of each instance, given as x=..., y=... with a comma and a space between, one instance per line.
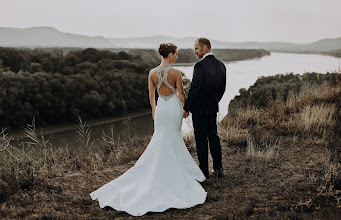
x=45, y=36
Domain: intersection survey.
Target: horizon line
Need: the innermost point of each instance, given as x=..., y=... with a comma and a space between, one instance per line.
x=160, y=35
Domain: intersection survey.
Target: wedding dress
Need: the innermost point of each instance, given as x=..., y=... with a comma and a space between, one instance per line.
x=165, y=176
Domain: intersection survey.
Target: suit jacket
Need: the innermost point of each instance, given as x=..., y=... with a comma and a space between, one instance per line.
x=207, y=87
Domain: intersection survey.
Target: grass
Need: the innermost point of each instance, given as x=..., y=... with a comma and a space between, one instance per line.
x=280, y=163
x=265, y=151
x=317, y=118
x=38, y=160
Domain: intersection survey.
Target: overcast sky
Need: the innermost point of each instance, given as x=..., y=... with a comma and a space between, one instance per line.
x=301, y=21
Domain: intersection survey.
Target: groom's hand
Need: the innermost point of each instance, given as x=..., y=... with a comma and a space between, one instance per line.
x=185, y=114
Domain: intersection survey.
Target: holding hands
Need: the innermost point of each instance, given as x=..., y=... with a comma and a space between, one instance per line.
x=185, y=114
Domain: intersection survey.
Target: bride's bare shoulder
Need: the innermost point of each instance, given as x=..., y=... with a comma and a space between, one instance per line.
x=175, y=71
x=152, y=72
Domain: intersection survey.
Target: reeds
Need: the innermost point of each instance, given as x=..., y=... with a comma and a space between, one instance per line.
x=84, y=135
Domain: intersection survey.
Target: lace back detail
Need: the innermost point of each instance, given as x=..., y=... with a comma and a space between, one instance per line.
x=163, y=79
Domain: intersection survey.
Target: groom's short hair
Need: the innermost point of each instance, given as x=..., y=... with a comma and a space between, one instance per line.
x=204, y=41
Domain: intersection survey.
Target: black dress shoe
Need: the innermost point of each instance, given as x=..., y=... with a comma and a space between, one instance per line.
x=217, y=173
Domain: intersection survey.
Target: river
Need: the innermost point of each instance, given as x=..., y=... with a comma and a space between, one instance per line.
x=240, y=74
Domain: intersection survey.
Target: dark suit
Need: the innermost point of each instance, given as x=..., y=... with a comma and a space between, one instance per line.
x=207, y=88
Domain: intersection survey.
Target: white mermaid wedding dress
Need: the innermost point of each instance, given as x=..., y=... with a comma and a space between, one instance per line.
x=165, y=176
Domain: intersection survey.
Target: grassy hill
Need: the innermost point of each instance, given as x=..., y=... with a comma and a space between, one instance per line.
x=281, y=160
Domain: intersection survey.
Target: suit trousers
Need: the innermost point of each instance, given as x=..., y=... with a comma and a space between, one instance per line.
x=205, y=131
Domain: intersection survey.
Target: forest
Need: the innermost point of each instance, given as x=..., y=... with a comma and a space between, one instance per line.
x=56, y=85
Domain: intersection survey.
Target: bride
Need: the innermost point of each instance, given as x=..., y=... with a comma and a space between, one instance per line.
x=165, y=176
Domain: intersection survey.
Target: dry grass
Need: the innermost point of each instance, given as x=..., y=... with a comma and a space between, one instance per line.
x=279, y=163
x=264, y=151
x=310, y=93
x=314, y=111
x=233, y=133
x=23, y=168
x=318, y=118
x=305, y=124
x=249, y=116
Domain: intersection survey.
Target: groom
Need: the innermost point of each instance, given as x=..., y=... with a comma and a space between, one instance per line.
x=207, y=88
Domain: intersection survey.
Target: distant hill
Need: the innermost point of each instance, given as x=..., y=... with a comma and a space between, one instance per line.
x=321, y=45
x=50, y=37
x=326, y=44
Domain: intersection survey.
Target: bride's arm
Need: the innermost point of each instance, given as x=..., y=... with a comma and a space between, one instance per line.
x=180, y=88
x=151, y=88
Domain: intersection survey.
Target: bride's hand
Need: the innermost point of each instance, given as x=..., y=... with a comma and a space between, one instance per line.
x=153, y=113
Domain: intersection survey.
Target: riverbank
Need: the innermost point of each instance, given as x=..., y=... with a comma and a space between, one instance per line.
x=60, y=128
x=334, y=53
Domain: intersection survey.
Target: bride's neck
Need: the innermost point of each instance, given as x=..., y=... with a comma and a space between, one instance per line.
x=165, y=63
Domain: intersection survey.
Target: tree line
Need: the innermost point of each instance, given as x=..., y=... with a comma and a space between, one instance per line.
x=56, y=87
x=68, y=62
x=188, y=56
x=335, y=53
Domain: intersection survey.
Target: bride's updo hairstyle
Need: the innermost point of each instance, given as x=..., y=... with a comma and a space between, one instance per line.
x=166, y=49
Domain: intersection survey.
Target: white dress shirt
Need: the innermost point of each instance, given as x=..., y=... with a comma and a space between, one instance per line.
x=209, y=53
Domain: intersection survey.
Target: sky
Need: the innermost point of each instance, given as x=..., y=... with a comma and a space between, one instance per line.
x=298, y=21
